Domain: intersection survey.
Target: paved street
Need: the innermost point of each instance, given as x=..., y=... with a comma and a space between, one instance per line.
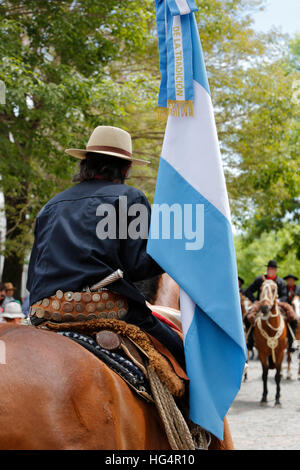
x=255, y=427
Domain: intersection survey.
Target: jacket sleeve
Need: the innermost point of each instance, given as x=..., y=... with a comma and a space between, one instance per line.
x=137, y=263
x=297, y=290
x=254, y=287
x=282, y=291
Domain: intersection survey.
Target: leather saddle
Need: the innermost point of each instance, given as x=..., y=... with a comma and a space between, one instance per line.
x=119, y=355
x=129, y=360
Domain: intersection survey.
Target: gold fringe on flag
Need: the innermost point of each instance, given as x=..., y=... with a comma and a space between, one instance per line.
x=181, y=108
x=176, y=108
x=162, y=113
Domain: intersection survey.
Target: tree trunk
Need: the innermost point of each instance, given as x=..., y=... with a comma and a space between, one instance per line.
x=12, y=272
x=14, y=252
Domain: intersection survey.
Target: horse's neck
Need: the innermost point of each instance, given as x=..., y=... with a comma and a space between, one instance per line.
x=275, y=319
x=167, y=294
x=243, y=304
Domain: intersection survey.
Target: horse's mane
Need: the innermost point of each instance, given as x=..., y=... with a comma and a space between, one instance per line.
x=149, y=287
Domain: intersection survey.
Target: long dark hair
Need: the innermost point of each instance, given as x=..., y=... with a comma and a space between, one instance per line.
x=110, y=168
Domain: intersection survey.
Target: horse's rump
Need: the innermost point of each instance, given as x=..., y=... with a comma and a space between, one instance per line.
x=56, y=395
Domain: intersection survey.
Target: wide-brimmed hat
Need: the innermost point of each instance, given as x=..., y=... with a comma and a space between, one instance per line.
x=12, y=310
x=9, y=286
x=272, y=264
x=291, y=275
x=108, y=140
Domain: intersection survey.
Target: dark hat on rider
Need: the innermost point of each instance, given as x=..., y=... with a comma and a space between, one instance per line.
x=241, y=280
x=272, y=264
x=290, y=275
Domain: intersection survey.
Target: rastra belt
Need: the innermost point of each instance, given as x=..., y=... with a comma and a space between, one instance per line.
x=80, y=306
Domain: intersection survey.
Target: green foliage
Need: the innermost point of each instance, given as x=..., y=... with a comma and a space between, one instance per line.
x=69, y=66
x=55, y=63
x=253, y=257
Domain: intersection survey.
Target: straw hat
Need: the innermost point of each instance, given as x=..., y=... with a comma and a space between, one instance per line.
x=108, y=140
x=12, y=310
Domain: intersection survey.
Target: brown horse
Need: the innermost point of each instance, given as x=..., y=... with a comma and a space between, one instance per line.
x=54, y=394
x=270, y=336
x=245, y=304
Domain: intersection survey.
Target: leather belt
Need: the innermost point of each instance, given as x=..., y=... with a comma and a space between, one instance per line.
x=80, y=306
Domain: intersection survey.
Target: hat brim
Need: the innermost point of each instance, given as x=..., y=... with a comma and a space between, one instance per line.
x=12, y=315
x=80, y=153
x=291, y=276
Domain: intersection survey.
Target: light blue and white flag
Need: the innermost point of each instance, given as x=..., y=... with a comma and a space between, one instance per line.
x=202, y=261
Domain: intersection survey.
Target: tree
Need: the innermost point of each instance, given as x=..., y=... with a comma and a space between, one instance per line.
x=251, y=76
x=54, y=63
x=69, y=66
x=279, y=245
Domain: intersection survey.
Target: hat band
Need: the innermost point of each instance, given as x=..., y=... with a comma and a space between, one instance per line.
x=109, y=149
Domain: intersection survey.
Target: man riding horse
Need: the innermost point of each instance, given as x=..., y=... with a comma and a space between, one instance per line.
x=292, y=287
x=255, y=287
x=75, y=246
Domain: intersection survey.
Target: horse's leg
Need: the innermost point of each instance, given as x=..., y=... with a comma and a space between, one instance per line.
x=246, y=371
x=277, y=380
x=265, y=381
x=289, y=360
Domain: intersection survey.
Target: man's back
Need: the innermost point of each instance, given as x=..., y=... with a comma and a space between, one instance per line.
x=68, y=253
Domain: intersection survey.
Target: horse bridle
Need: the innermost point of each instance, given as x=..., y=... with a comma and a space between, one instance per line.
x=271, y=296
x=272, y=341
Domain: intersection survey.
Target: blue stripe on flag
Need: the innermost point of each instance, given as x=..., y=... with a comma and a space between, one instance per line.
x=190, y=6
x=162, y=44
x=213, y=362
x=173, y=7
x=171, y=58
x=207, y=277
x=188, y=57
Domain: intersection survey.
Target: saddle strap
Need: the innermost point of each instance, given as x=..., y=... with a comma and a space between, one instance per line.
x=165, y=352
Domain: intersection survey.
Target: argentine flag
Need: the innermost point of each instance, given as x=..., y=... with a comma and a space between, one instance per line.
x=191, y=178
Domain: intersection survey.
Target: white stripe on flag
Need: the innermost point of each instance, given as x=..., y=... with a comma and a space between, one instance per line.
x=188, y=307
x=191, y=147
x=178, y=59
x=183, y=7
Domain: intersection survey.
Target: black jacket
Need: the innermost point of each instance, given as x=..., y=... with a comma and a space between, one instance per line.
x=256, y=285
x=293, y=292
x=67, y=253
